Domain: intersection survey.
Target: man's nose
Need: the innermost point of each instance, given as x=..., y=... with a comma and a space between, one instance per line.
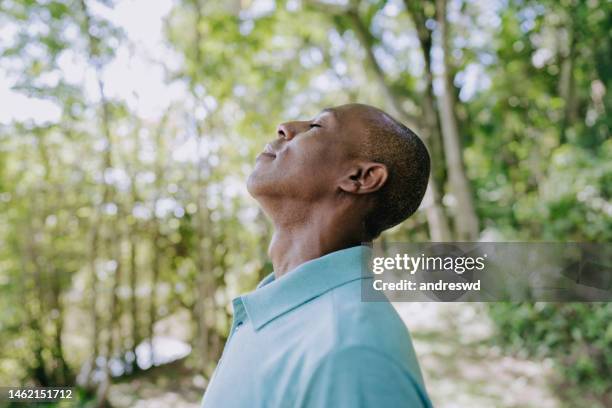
x=288, y=130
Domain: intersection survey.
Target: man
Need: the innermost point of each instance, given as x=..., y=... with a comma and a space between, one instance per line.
x=304, y=337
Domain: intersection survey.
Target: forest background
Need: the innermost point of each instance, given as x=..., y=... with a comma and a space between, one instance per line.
x=128, y=128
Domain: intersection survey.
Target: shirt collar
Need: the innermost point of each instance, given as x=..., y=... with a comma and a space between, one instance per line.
x=274, y=297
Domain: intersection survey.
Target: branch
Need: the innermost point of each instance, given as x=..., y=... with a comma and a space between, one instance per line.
x=367, y=41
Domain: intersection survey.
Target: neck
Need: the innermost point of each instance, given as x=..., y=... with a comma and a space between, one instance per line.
x=302, y=236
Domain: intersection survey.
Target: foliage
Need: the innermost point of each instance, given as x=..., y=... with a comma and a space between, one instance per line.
x=577, y=336
x=116, y=220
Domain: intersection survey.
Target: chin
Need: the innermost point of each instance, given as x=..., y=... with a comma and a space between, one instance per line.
x=263, y=184
x=255, y=185
x=251, y=184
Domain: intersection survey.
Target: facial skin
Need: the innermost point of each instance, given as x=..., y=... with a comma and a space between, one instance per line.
x=304, y=160
x=316, y=184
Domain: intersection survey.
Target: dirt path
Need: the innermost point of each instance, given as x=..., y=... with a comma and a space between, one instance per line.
x=462, y=369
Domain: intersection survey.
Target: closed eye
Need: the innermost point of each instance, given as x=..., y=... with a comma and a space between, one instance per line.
x=313, y=125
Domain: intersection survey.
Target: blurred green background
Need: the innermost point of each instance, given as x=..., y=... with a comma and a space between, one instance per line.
x=128, y=128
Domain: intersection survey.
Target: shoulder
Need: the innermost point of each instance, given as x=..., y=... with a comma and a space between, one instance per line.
x=359, y=375
x=364, y=323
x=345, y=322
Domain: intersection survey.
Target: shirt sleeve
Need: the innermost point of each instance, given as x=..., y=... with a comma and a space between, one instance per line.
x=362, y=377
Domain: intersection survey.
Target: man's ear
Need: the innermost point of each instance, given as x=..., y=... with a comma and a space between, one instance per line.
x=365, y=177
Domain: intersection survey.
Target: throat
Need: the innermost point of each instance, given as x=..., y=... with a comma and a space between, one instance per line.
x=289, y=250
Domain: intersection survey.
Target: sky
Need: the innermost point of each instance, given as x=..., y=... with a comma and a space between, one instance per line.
x=137, y=74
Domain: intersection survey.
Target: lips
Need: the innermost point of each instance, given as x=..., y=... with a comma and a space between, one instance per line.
x=268, y=152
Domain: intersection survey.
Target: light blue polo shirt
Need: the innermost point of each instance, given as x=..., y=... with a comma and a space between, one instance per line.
x=308, y=340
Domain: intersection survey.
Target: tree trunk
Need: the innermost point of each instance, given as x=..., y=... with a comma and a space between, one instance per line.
x=154, y=281
x=202, y=262
x=430, y=115
x=439, y=230
x=567, y=82
x=34, y=307
x=203, y=302
x=60, y=372
x=133, y=260
x=93, y=44
x=108, y=198
x=93, y=293
x=63, y=375
x=157, y=235
x=135, y=330
x=114, y=345
x=466, y=221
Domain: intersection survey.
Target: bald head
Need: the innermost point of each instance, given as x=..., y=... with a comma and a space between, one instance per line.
x=384, y=140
